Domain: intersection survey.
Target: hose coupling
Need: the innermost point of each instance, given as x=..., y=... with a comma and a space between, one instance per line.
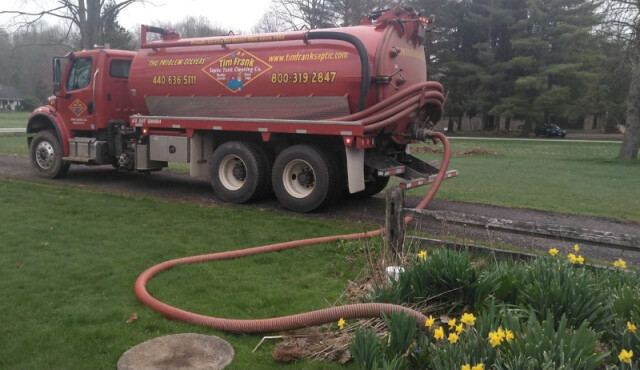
x=419, y=133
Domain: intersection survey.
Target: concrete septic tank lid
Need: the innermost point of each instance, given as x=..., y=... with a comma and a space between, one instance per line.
x=178, y=351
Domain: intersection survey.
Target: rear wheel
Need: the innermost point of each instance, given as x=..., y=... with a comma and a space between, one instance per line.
x=239, y=172
x=304, y=178
x=46, y=155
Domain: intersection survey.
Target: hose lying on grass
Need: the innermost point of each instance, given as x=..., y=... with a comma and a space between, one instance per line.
x=327, y=315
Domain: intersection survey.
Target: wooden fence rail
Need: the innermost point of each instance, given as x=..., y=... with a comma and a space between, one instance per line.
x=552, y=231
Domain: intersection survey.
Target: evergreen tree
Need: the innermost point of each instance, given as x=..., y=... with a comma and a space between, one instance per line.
x=553, y=62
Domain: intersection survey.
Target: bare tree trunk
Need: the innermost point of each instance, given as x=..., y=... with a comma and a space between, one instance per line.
x=527, y=127
x=631, y=138
x=83, y=24
x=94, y=22
x=450, y=125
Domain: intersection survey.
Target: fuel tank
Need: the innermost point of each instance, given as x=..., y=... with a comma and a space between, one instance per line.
x=317, y=74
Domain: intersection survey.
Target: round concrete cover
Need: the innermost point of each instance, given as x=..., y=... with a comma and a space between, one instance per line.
x=179, y=351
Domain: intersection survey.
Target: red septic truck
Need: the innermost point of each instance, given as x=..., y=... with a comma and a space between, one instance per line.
x=308, y=115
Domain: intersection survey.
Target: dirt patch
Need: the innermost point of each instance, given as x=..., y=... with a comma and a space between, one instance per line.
x=465, y=153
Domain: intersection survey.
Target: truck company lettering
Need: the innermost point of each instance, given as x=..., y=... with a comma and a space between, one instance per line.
x=173, y=62
x=236, y=70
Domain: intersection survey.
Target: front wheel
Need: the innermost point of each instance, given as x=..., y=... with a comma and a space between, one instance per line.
x=46, y=155
x=304, y=178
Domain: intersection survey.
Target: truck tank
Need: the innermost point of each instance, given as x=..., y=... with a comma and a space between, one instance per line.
x=313, y=75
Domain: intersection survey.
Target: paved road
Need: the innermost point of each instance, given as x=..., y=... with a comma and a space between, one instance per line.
x=179, y=186
x=557, y=140
x=13, y=130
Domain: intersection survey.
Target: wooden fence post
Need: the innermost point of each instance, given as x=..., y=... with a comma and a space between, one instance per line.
x=394, y=221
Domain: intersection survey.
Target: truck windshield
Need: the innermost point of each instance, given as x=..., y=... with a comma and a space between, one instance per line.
x=80, y=74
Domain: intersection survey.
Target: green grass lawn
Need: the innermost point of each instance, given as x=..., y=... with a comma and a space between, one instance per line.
x=14, y=119
x=70, y=258
x=14, y=144
x=581, y=178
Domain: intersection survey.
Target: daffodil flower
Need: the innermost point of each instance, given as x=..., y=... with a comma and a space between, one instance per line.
x=422, y=256
x=631, y=327
x=576, y=248
x=625, y=356
x=438, y=333
x=459, y=328
x=479, y=366
x=465, y=367
x=453, y=337
x=509, y=335
x=494, y=338
x=553, y=251
x=452, y=323
x=620, y=263
x=468, y=319
x=341, y=323
x=429, y=322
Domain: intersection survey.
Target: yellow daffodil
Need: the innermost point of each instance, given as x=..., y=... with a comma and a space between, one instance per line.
x=580, y=259
x=468, y=319
x=459, y=328
x=479, y=366
x=453, y=337
x=625, y=356
x=553, y=251
x=620, y=263
x=494, y=338
x=572, y=258
x=341, y=323
x=576, y=248
x=452, y=323
x=439, y=333
x=509, y=335
x=429, y=322
x=465, y=367
x=422, y=256
x=631, y=327
x=501, y=333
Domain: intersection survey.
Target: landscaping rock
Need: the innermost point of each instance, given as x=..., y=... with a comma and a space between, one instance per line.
x=178, y=351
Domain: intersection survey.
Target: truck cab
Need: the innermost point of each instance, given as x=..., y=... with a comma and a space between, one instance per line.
x=91, y=89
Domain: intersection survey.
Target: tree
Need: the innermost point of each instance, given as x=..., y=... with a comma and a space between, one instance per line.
x=87, y=16
x=622, y=24
x=270, y=22
x=553, y=62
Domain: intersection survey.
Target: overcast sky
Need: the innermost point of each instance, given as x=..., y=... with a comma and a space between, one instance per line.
x=237, y=15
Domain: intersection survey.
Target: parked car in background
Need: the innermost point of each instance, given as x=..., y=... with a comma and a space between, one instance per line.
x=550, y=129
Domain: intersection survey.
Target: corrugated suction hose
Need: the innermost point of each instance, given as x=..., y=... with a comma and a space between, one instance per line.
x=327, y=315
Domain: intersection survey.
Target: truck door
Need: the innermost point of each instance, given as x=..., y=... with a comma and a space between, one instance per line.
x=114, y=94
x=78, y=99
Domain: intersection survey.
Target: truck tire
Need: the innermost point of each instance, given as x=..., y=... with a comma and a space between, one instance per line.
x=46, y=155
x=304, y=178
x=372, y=187
x=239, y=172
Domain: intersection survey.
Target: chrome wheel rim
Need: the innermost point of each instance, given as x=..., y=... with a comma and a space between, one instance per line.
x=232, y=172
x=298, y=178
x=45, y=155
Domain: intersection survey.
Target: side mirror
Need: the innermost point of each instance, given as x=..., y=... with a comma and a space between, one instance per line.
x=57, y=75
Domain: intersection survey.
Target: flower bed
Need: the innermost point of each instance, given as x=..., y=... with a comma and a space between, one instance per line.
x=549, y=313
